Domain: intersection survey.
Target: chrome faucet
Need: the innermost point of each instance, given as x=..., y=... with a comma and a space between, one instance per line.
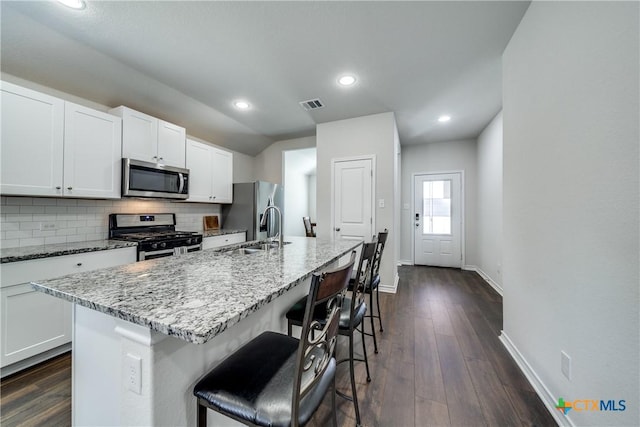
x=263, y=222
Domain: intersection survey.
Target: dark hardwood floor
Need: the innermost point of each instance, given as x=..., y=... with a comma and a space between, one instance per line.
x=440, y=363
x=39, y=396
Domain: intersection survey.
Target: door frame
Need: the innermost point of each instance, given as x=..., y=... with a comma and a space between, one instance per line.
x=413, y=210
x=335, y=160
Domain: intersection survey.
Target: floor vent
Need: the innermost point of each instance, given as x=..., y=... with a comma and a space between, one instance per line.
x=311, y=104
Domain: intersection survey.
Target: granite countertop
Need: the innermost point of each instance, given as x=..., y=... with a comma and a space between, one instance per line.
x=198, y=295
x=44, y=251
x=221, y=232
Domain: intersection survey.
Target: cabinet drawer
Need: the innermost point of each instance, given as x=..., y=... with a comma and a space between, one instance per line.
x=226, y=239
x=14, y=273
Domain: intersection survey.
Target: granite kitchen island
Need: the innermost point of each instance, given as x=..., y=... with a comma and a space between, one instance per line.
x=145, y=332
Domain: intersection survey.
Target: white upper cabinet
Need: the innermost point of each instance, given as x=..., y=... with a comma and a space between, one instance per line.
x=32, y=142
x=210, y=173
x=92, y=156
x=222, y=174
x=55, y=148
x=150, y=139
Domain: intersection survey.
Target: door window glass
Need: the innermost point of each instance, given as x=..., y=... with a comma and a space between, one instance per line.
x=436, y=207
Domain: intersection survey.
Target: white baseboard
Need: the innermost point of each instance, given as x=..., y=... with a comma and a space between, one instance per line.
x=34, y=360
x=391, y=289
x=485, y=277
x=405, y=262
x=540, y=388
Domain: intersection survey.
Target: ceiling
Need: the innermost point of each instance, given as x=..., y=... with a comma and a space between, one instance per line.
x=186, y=62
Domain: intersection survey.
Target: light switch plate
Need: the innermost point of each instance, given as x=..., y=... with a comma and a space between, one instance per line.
x=133, y=373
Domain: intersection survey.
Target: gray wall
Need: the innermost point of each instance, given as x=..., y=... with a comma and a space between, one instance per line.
x=368, y=135
x=489, y=239
x=269, y=163
x=440, y=157
x=571, y=205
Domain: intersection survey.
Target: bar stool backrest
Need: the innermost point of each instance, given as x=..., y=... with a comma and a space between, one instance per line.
x=363, y=277
x=382, y=239
x=317, y=342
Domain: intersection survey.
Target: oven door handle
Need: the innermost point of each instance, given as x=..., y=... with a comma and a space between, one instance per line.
x=181, y=177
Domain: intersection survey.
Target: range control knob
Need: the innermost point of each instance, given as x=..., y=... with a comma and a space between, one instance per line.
x=163, y=245
x=154, y=246
x=188, y=241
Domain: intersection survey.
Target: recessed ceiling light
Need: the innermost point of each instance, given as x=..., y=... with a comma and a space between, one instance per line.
x=74, y=4
x=443, y=119
x=241, y=105
x=347, y=80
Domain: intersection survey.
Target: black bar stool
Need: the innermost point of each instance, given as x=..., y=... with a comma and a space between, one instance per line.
x=351, y=317
x=277, y=380
x=373, y=285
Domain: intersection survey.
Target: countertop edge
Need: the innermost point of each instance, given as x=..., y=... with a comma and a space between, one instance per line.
x=187, y=335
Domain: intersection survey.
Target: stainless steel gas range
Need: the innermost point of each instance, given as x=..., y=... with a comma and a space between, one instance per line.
x=155, y=234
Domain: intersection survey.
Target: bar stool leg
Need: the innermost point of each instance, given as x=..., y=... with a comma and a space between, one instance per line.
x=353, y=381
x=379, y=313
x=333, y=403
x=202, y=415
x=373, y=327
x=364, y=349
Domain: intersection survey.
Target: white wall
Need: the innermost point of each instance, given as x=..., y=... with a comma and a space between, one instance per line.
x=571, y=201
x=296, y=197
x=439, y=157
x=311, y=186
x=243, y=167
x=268, y=164
x=375, y=134
x=489, y=239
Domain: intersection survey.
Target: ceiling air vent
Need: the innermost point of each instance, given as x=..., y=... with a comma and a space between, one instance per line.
x=311, y=104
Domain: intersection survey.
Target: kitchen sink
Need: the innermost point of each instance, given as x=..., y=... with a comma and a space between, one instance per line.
x=261, y=247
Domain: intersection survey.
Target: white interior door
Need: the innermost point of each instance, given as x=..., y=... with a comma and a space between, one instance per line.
x=352, y=199
x=437, y=220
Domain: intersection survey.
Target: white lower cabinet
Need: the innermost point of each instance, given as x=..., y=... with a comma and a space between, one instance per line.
x=224, y=240
x=32, y=322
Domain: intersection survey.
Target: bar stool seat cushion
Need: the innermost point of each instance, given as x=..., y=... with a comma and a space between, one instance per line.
x=256, y=383
x=296, y=312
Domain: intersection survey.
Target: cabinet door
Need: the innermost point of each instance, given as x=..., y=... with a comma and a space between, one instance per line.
x=139, y=135
x=199, y=165
x=32, y=142
x=32, y=322
x=222, y=174
x=92, y=153
x=171, y=144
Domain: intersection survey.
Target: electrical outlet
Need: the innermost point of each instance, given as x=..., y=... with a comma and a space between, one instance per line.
x=565, y=364
x=133, y=373
x=47, y=226
x=381, y=203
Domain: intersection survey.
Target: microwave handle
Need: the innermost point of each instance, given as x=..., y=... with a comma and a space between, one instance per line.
x=181, y=188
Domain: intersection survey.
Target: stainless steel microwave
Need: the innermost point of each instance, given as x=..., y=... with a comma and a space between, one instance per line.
x=144, y=179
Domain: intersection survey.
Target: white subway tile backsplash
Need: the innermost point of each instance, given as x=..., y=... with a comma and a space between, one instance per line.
x=10, y=243
x=19, y=201
x=56, y=239
x=32, y=242
x=55, y=209
x=29, y=225
x=82, y=219
x=10, y=226
x=43, y=201
x=6, y=209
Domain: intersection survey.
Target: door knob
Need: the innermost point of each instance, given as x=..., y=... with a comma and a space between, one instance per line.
x=69, y=188
x=337, y=228
x=417, y=224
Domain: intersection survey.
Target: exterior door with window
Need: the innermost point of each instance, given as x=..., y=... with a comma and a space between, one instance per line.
x=437, y=220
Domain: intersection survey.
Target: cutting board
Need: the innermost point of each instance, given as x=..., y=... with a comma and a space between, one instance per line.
x=211, y=222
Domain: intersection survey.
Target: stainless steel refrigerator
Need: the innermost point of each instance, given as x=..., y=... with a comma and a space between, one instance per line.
x=249, y=202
